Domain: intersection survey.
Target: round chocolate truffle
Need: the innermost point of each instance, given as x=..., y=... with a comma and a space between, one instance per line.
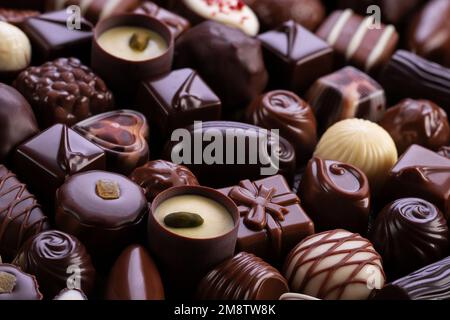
x=272, y=13
x=409, y=233
x=363, y=144
x=105, y=211
x=419, y=122
x=335, y=265
x=17, y=121
x=335, y=195
x=64, y=91
x=158, y=175
x=71, y=294
x=17, y=285
x=122, y=134
x=58, y=261
x=245, y=75
x=285, y=111
x=15, y=50
x=244, y=277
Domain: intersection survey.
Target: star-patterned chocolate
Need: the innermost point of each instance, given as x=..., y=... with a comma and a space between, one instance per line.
x=272, y=220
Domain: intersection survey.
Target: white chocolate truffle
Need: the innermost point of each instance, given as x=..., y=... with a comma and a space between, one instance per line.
x=361, y=143
x=71, y=294
x=234, y=13
x=15, y=48
x=335, y=265
x=296, y=296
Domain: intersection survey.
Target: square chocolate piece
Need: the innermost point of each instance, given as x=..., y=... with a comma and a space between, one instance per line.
x=421, y=173
x=295, y=57
x=46, y=160
x=176, y=23
x=272, y=220
x=51, y=38
x=346, y=93
x=176, y=100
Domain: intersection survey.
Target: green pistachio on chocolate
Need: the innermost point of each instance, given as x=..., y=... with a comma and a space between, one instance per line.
x=183, y=220
x=139, y=41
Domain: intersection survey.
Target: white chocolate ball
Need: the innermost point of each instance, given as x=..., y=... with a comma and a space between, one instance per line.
x=335, y=265
x=15, y=48
x=361, y=143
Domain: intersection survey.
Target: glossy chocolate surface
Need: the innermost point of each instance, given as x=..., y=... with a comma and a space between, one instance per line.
x=244, y=277
x=245, y=76
x=21, y=216
x=285, y=111
x=409, y=234
x=58, y=260
x=336, y=195
x=122, y=135
x=158, y=175
x=445, y=151
x=295, y=57
x=51, y=38
x=421, y=173
x=134, y=276
x=63, y=91
x=105, y=225
x=17, y=121
x=272, y=220
x=176, y=100
x=419, y=122
x=25, y=288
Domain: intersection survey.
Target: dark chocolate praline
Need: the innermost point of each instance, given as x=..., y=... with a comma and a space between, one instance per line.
x=24, y=286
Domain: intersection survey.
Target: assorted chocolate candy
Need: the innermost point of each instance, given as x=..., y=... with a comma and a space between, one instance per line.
x=224, y=150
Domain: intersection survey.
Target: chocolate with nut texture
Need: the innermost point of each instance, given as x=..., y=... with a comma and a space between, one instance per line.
x=17, y=121
x=241, y=76
x=240, y=151
x=21, y=216
x=122, y=135
x=25, y=286
x=176, y=23
x=346, y=93
x=58, y=260
x=15, y=16
x=158, y=175
x=285, y=111
x=272, y=13
x=295, y=57
x=334, y=265
x=50, y=157
x=244, y=277
x=64, y=91
x=445, y=151
x=424, y=79
x=421, y=173
x=51, y=38
x=409, y=234
x=428, y=35
x=357, y=41
x=105, y=211
x=176, y=100
x=71, y=294
x=335, y=195
x=272, y=220
x=134, y=276
x=429, y=283
x=419, y=122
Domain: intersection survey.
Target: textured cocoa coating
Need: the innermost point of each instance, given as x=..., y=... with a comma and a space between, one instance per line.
x=15, y=16
x=17, y=121
x=50, y=256
x=429, y=283
x=122, y=134
x=158, y=175
x=243, y=277
x=26, y=287
x=21, y=216
x=335, y=195
x=245, y=76
x=419, y=122
x=409, y=234
x=134, y=276
x=64, y=91
x=285, y=111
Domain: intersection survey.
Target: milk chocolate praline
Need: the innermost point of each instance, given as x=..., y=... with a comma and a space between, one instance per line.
x=24, y=286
